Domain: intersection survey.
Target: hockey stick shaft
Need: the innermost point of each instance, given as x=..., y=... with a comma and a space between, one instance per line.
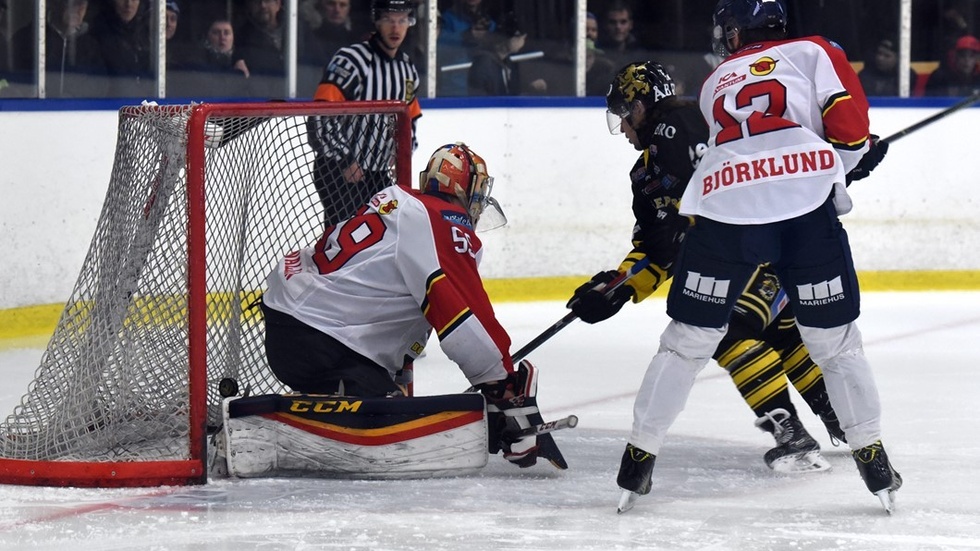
x=570, y=317
x=965, y=102
x=551, y=426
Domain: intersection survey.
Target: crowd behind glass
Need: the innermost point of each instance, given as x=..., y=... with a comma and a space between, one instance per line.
x=277, y=48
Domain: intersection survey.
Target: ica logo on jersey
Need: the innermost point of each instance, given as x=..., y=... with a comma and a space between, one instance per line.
x=730, y=79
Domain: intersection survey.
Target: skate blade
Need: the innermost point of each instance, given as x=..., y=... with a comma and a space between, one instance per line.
x=887, y=498
x=627, y=501
x=810, y=462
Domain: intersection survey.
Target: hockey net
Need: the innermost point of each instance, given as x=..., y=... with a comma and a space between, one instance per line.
x=203, y=201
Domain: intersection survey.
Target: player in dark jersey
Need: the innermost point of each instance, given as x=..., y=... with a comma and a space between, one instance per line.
x=763, y=347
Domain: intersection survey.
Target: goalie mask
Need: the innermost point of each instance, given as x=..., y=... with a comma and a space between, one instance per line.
x=455, y=170
x=646, y=82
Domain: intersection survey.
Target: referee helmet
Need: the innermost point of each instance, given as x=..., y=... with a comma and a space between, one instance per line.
x=379, y=7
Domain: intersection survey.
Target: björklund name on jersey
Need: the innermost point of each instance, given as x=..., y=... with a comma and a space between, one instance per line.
x=755, y=170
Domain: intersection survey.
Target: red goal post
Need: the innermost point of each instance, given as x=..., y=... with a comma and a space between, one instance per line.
x=202, y=202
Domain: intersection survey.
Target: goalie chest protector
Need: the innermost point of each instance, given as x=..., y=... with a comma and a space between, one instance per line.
x=351, y=437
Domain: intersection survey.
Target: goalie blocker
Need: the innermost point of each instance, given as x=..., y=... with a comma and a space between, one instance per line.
x=299, y=435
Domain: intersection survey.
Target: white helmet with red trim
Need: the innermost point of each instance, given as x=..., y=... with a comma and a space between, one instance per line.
x=456, y=170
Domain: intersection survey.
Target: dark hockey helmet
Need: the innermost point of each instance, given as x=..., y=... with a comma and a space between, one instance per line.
x=456, y=170
x=379, y=7
x=733, y=17
x=642, y=81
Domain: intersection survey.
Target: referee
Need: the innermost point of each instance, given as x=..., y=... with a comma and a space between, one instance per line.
x=354, y=154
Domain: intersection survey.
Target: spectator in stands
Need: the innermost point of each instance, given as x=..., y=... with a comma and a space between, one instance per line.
x=879, y=77
x=599, y=70
x=123, y=34
x=219, y=49
x=959, y=73
x=74, y=66
x=177, y=51
x=465, y=29
x=261, y=43
x=493, y=72
x=616, y=37
x=591, y=27
x=173, y=14
x=214, y=69
x=332, y=24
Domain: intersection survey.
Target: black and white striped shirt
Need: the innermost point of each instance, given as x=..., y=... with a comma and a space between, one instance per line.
x=364, y=72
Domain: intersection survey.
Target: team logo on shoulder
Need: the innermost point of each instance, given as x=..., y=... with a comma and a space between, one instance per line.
x=763, y=66
x=388, y=208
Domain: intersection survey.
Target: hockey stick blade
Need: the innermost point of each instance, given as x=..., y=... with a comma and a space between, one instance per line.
x=551, y=426
x=570, y=317
x=965, y=102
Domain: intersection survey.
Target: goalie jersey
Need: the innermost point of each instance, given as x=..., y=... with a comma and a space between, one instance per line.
x=381, y=281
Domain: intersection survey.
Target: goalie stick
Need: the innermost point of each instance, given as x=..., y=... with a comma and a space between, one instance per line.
x=965, y=102
x=544, y=428
x=570, y=317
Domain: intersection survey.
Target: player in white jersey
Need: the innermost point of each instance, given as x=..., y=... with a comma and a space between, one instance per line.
x=344, y=316
x=788, y=128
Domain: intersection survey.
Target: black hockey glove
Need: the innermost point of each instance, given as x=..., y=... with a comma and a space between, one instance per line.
x=512, y=407
x=509, y=403
x=875, y=154
x=590, y=302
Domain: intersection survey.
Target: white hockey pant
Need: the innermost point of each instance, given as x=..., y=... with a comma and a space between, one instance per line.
x=684, y=351
x=850, y=383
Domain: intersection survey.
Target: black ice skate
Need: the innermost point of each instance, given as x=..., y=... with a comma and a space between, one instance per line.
x=826, y=412
x=796, y=451
x=635, y=472
x=832, y=424
x=878, y=474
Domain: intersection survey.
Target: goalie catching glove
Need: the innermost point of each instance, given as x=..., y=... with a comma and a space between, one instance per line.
x=876, y=152
x=590, y=302
x=511, y=408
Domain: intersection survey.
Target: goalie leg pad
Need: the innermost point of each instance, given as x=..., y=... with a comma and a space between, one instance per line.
x=350, y=437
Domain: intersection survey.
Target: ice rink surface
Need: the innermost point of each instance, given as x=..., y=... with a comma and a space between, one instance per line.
x=711, y=489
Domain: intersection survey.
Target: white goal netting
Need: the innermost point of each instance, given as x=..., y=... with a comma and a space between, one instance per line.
x=203, y=201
